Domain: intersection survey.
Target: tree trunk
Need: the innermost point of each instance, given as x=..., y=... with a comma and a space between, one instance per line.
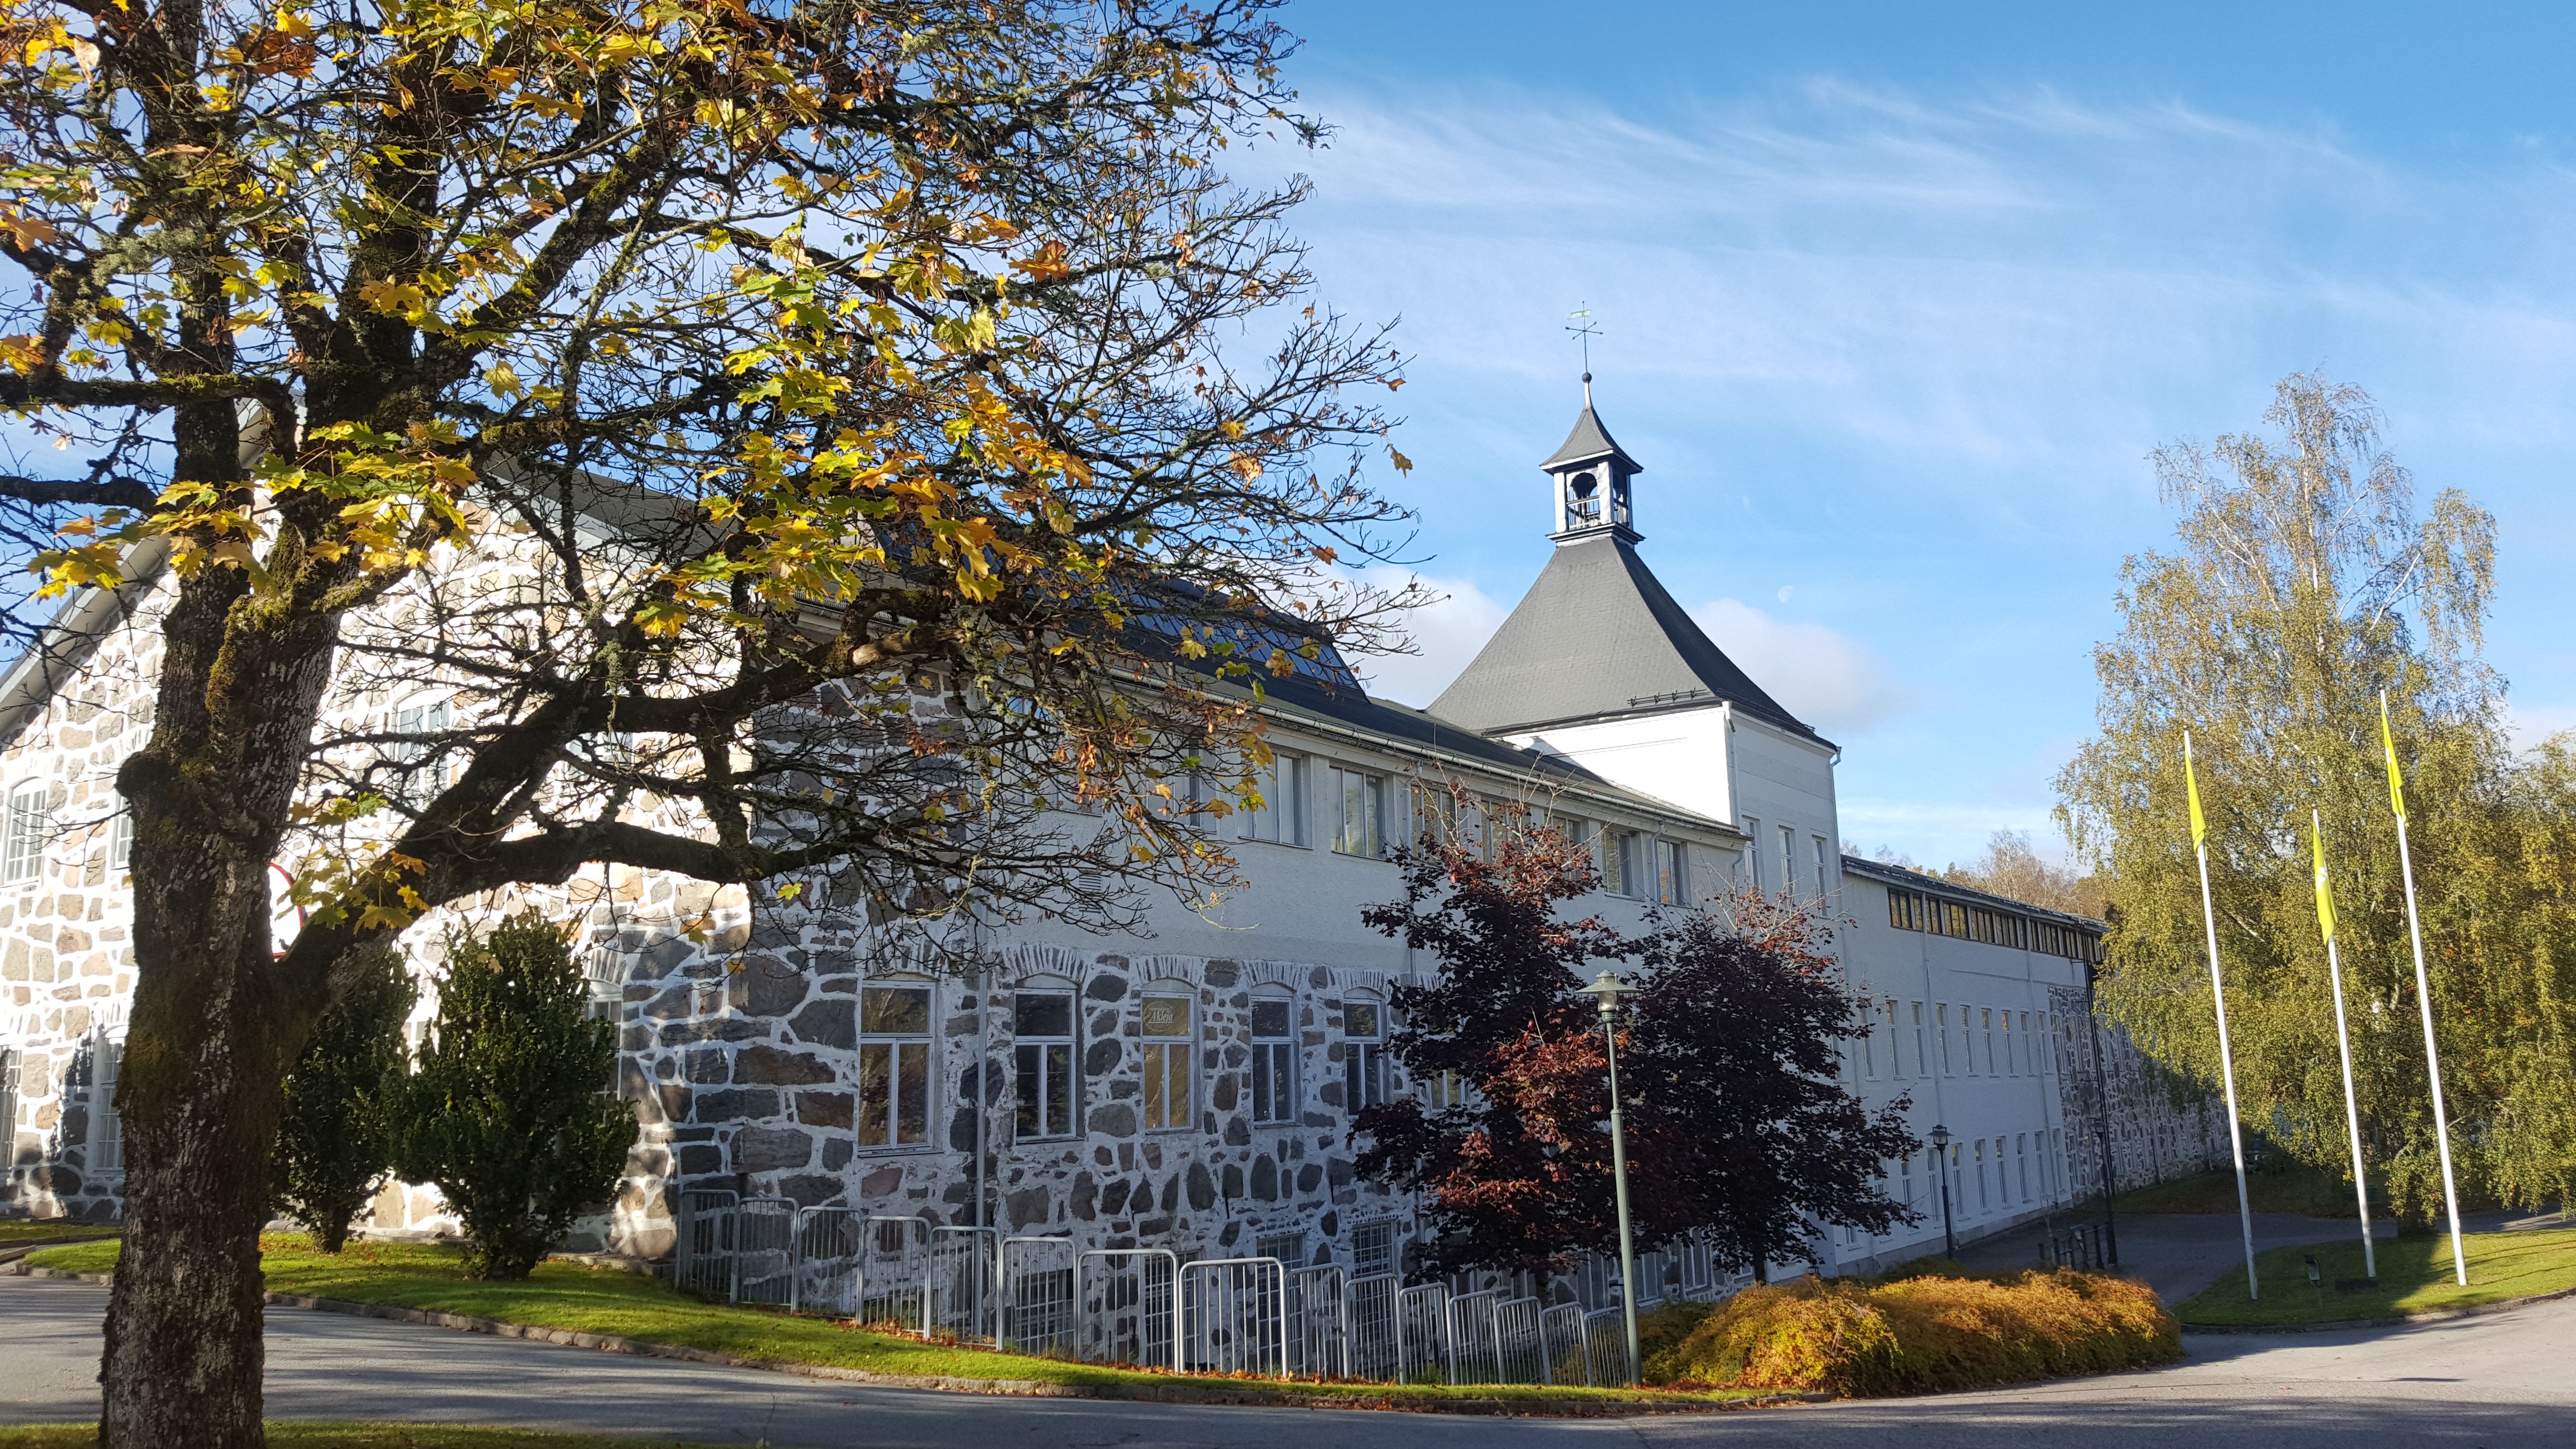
x=215, y=1024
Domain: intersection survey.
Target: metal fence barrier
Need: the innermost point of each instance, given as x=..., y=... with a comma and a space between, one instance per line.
x=1520, y=1354
x=1375, y=1348
x=2076, y=1247
x=1319, y=1324
x=1475, y=1353
x=890, y=1272
x=1129, y=1302
x=1422, y=1333
x=1561, y=1347
x=1605, y=1347
x=963, y=1295
x=1236, y=1312
x=827, y=1262
x=764, y=1248
x=1037, y=1308
x=703, y=1262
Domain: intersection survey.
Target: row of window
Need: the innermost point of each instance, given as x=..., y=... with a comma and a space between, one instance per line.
x=897, y=1076
x=1364, y=814
x=1986, y=1035
x=1780, y=870
x=1915, y=911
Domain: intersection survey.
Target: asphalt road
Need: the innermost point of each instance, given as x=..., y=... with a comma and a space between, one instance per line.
x=2496, y=1382
x=2180, y=1253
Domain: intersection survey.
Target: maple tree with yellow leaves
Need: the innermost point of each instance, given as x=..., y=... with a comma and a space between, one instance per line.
x=794, y=433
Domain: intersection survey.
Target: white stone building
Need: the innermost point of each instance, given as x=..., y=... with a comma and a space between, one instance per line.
x=1191, y=1088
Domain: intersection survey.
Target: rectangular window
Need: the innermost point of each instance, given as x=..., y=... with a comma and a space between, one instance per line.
x=1869, y=1044
x=1435, y=814
x=894, y=1066
x=1672, y=873
x=1824, y=864
x=23, y=836
x=2021, y=1160
x=1922, y=1063
x=1169, y=1045
x=1753, y=852
x=1987, y=1014
x=1895, y=1058
x=106, y=1128
x=120, y=836
x=1626, y=866
x=1042, y=1060
x=1281, y=817
x=1288, y=1248
x=1373, y=1249
x=1274, y=1062
x=1363, y=1055
x=1445, y=1089
x=1942, y=1013
x=1984, y=1201
x=1358, y=798
x=1788, y=859
x=414, y=783
x=2012, y=1057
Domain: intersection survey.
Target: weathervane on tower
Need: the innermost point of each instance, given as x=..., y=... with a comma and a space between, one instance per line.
x=1579, y=322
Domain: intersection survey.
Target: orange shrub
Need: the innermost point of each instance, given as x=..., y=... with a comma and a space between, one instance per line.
x=1920, y=1334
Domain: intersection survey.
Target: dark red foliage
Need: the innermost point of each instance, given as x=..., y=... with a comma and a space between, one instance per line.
x=1737, y=1125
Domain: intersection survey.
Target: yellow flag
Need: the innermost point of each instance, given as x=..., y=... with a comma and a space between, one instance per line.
x=2325, y=892
x=2191, y=785
x=2396, y=777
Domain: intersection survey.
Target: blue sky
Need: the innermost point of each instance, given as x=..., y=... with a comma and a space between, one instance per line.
x=1899, y=298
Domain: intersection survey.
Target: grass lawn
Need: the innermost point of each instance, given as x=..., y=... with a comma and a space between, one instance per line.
x=2290, y=1188
x=14, y=1231
x=354, y=1436
x=603, y=1300
x=2414, y=1277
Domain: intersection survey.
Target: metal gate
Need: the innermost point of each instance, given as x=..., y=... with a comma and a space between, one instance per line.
x=1128, y=1299
x=764, y=1246
x=1236, y=1316
x=1560, y=1334
x=963, y=1291
x=1319, y=1332
x=1422, y=1333
x=827, y=1262
x=1520, y=1354
x=703, y=1264
x=1037, y=1296
x=1605, y=1347
x=891, y=1280
x=1376, y=1351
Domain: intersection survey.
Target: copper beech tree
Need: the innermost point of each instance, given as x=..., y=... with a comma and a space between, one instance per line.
x=793, y=434
x=1739, y=1129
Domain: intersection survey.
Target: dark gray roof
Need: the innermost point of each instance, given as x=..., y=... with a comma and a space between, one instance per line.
x=1597, y=636
x=1934, y=885
x=1590, y=441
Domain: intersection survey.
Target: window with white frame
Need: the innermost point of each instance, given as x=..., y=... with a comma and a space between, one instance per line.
x=1824, y=864
x=9, y=1075
x=1042, y=1062
x=1363, y=1054
x=2012, y=1054
x=894, y=1066
x=1274, y=1060
x=1358, y=800
x=23, y=834
x=1625, y=867
x=1789, y=859
x=1435, y=813
x=1672, y=873
x=1869, y=1042
x=106, y=1127
x=1986, y=1017
x=1170, y=1048
x=1373, y=1249
x=2021, y=1161
x=1983, y=1201
x=415, y=781
x=1281, y=816
x=1288, y=1248
x=1753, y=852
x=120, y=836
x=1922, y=1063
x=1905, y=1178
x=1942, y=1011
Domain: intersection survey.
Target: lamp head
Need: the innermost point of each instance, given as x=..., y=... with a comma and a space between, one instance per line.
x=1940, y=1138
x=1606, y=988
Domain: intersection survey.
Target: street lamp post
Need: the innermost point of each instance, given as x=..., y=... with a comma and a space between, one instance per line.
x=1941, y=1156
x=1607, y=989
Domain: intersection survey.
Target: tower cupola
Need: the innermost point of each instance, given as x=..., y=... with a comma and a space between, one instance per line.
x=1592, y=472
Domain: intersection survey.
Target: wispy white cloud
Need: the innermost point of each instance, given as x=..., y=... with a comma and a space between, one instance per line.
x=1446, y=632
x=1819, y=674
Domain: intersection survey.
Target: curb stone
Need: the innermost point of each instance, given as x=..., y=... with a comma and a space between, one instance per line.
x=1176, y=1393
x=2402, y=1320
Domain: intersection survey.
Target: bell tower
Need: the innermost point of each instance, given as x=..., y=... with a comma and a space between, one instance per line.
x=1591, y=472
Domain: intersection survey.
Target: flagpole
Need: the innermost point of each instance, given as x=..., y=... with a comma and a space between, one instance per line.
x=2343, y=1044
x=2424, y=997
x=2218, y=994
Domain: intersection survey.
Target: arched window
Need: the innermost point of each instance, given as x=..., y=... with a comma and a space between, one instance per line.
x=1042, y=1059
